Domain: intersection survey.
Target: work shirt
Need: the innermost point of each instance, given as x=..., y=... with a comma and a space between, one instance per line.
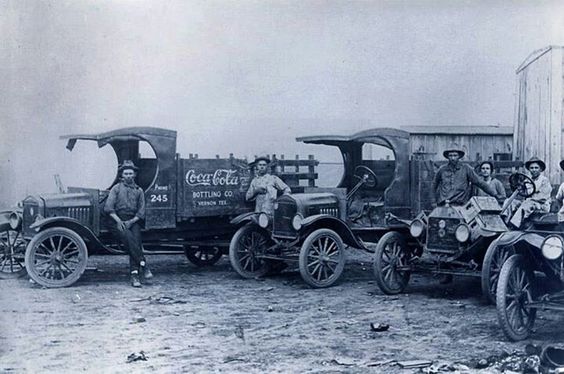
x=543, y=190
x=264, y=202
x=560, y=197
x=126, y=200
x=454, y=183
x=497, y=186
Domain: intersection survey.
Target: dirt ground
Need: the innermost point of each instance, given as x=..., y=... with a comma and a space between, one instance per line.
x=210, y=320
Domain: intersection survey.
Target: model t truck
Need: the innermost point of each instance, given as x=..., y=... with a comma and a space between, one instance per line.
x=189, y=203
x=377, y=201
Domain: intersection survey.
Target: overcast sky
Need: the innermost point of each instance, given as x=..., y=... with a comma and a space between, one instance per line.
x=247, y=77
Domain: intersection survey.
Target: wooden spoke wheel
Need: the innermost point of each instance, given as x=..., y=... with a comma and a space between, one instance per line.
x=12, y=254
x=495, y=257
x=322, y=258
x=514, y=292
x=56, y=257
x=203, y=255
x=245, y=250
x=391, y=260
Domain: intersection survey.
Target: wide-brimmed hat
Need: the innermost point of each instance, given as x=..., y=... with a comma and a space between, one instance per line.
x=535, y=160
x=260, y=158
x=127, y=164
x=453, y=149
x=489, y=162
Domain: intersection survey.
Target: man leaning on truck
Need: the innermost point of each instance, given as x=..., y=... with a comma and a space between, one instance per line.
x=264, y=187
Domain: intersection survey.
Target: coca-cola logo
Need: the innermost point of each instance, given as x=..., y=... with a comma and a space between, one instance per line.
x=220, y=177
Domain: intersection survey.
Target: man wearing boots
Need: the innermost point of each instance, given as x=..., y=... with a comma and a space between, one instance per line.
x=126, y=207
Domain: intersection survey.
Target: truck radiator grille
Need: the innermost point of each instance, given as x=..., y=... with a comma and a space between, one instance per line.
x=81, y=214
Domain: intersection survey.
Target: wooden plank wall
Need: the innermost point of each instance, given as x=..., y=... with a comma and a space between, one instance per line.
x=480, y=147
x=538, y=113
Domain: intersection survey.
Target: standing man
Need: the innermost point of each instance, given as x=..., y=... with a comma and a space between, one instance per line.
x=126, y=206
x=540, y=200
x=453, y=181
x=264, y=187
x=486, y=170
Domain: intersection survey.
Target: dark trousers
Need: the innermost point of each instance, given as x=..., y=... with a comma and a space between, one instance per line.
x=131, y=240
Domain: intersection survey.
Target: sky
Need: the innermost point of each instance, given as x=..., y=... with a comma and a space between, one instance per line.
x=247, y=77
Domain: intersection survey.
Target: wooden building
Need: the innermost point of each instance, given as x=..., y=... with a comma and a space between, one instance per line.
x=479, y=142
x=539, y=118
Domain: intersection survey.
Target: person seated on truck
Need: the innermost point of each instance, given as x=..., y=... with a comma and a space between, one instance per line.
x=264, y=187
x=540, y=200
x=126, y=206
x=486, y=170
x=453, y=181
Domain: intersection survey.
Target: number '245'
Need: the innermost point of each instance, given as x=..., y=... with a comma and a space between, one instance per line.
x=159, y=198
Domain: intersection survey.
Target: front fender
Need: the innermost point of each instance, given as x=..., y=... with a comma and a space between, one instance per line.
x=244, y=218
x=329, y=222
x=513, y=237
x=69, y=223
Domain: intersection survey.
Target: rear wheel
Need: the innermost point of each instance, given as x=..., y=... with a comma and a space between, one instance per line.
x=495, y=257
x=12, y=254
x=203, y=255
x=56, y=257
x=514, y=292
x=391, y=261
x=245, y=249
x=322, y=258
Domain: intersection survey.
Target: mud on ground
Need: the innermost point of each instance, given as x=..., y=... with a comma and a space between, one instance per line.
x=210, y=320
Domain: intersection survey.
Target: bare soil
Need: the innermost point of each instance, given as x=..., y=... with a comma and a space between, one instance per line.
x=210, y=320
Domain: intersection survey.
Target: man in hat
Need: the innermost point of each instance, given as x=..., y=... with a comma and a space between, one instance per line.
x=453, y=181
x=486, y=170
x=126, y=206
x=540, y=200
x=264, y=187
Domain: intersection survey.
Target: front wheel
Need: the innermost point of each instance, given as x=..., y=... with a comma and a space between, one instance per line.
x=204, y=255
x=514, y=292
x=245, y=250
x=12, y=253
x=391, y=263
x=56, y=257
x=322, y=258
x=495, y=257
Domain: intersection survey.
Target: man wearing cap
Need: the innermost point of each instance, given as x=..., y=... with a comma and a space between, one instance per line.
x=540, y=200
x=126, y=206
x=486, y=170
x=453, y=181
x=264, y=187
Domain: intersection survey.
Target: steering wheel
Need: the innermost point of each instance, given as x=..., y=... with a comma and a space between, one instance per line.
x=366, y=175
x=522, y=183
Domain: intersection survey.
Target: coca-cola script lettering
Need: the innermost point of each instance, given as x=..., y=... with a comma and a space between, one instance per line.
x=221, y=177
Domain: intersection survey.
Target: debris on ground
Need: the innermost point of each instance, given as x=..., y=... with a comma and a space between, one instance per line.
x=414, y=364
x=379, y=327
x=139, y=319
x=239, y=332
x=136, y=357
x=161, y=300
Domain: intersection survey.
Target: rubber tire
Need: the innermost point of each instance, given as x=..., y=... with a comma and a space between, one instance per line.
x=486, y=272
x=19, y=273
x=390, y=237
x=514, y=262
x=198, y=261
x=234, y=256
x=304, y=253
x=42, y=236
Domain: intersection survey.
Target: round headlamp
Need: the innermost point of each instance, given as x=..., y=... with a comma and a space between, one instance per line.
x=15, y=220
x=263, y=220
x=416, y=228
x=297, y=222
x=462, y=233
x=552, y=246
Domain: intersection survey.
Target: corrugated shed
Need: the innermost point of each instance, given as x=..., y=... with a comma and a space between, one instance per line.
x=539, y=118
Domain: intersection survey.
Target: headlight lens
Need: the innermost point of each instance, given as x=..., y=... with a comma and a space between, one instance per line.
x=552, y=247
x=263, y=220
x=297, y=222
x=15, y=220
x=462, y=233
x=416, y=228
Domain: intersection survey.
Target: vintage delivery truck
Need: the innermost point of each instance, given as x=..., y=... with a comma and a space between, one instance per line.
x=189, y=203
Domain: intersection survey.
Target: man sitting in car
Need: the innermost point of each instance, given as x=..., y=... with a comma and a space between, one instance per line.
x=540, y=200
x=453, y=182
x=486, y=170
